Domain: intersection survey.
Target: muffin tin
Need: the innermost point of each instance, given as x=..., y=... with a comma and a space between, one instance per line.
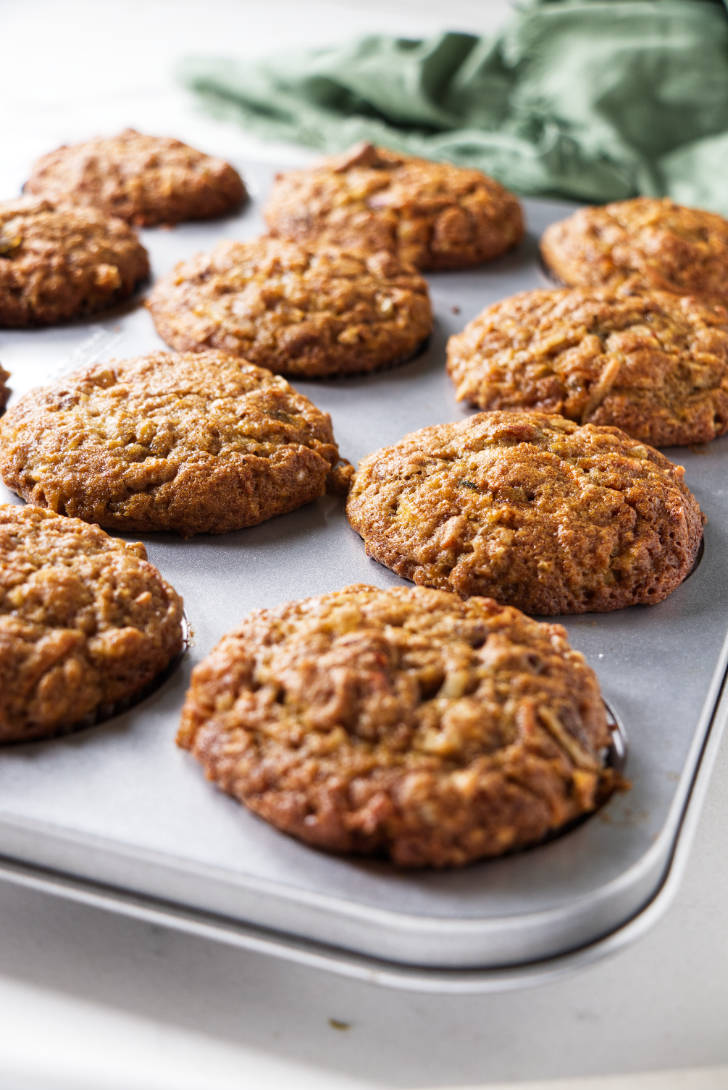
x=116, y=815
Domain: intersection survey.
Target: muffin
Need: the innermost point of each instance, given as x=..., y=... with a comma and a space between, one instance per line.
x=142, y=179
x=293, y=309
x=646, y=243
x=86, y=623
x=531, y=509
x=651, y=363
x=192, y=443
x=402, y=722
x=59, y=262
x=431, y=215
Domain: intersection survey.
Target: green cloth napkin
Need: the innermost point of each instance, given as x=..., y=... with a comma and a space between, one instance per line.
x=590, y=99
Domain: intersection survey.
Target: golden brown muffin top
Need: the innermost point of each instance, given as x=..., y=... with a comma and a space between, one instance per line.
x=293, y=309
x=651, y=363
x=531, y=509
x=85, y=622
x=402, y=721
x=59, y=262
x=193, y=443
x=142, y=179
x=645, y=242
x=432, y=215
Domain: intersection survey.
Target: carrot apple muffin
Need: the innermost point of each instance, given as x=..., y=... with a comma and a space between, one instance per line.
x=294, y=309
x=404, y=722
x=651, y=363
x=432, y=215
x=58, y=262
x=645, y=242
x=194, y=443
x=531, y=509
x=142, y=179
x=86, y=623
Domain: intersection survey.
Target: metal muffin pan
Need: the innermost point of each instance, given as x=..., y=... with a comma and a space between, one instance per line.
x=116, y=815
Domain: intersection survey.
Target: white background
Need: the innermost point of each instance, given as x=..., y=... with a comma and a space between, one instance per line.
x=91, y=1001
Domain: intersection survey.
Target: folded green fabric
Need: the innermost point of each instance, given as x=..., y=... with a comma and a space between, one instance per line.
x=591, y=99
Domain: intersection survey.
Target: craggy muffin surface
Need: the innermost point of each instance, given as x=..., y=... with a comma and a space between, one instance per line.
x=142, y=179
x=59, y=262
x=293, y=309
x=86, y=623
x=531, y=509
x=651, y=363
x=431, y=215
x=646, y=243
x=404, y=722
x=194, y=443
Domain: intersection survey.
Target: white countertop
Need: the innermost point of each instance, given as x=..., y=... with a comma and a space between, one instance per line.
x=93, y=1000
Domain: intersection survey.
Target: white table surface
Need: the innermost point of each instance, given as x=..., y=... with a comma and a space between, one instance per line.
x=89, y=999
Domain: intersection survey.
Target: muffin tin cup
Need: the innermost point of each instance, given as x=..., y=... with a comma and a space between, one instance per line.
x=117, y=816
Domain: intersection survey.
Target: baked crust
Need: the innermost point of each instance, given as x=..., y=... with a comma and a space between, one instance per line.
x=59, y=262
x=294, y=310
x=142, y=179
x=432, y=215
x=646, y=243
x=4, y=390
x=404, y=722
x=532, y=509
x=86, y=623
x=194, y=443
x=651, y=363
